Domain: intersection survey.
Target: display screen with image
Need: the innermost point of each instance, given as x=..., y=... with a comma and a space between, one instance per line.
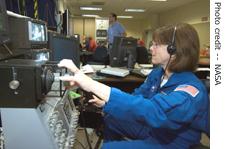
x=36, y=32
x=64, y=47
x=101, y=33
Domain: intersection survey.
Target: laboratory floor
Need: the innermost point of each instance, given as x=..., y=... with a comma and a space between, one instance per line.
x=81, y=140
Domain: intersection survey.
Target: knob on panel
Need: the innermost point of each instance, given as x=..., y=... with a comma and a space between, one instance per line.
x=14, y=84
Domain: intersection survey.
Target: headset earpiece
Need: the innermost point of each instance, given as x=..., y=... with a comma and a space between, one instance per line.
x=171, y=48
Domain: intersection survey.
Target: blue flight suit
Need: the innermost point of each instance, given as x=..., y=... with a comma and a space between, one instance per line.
x=155, y=117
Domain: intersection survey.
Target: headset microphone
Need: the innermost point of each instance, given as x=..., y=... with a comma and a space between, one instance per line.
x=171, y=49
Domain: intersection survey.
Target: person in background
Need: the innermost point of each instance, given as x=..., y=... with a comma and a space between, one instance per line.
x=169, y=110
x=115, y=29
x=90, y=44
x=141, y=43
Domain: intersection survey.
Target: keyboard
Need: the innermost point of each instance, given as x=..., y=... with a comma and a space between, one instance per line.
x=115, y=71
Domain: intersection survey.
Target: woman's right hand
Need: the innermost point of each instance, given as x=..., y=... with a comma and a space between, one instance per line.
x=83, y=81
x=79, y=78
x=67, y=63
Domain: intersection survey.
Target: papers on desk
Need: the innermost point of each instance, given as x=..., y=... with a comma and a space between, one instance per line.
x=146, y=65
x=114, y=71
x=141, y=72
x=97, y=67
x=91, y=68
x=146, y=71
x=87, y=69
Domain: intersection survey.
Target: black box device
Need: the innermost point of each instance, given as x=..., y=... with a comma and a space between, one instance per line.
x=24, y=83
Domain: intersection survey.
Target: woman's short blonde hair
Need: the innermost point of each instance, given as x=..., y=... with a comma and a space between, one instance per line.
x=187, y=45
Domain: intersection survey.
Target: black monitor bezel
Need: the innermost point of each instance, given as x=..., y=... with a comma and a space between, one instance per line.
x=119, y=54
x=52, y=36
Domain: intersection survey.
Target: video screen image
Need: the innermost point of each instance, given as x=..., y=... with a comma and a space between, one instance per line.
x=101, y=33
x=37, y=32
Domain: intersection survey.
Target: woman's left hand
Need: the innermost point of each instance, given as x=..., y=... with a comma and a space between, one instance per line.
x=97, y=101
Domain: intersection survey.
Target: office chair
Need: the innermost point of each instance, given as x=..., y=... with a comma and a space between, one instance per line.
x=201, y=146
x=100, y=56
x=143, y=56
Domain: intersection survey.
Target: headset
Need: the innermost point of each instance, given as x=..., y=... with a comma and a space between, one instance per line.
x=171, y=49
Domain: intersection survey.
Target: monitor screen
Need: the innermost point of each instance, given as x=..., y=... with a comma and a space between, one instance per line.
x=63, y=47
x=123, y=52
x=101, y=33
x=37, y=31
x=27, y=33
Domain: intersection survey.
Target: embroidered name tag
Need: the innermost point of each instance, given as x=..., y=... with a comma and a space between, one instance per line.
x=193, y=91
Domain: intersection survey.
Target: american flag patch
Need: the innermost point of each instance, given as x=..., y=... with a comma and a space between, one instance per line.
x=193, y=91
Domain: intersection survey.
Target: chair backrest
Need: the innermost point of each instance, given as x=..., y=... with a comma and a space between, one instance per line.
x=100, y=54
x=206, y=82
x=143, y=57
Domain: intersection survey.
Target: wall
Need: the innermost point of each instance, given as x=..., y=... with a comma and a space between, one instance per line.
x=136, y=28
x=191, y=13
x=133, y=27
x=84, y=27
x=141, y=28
x=203, y=30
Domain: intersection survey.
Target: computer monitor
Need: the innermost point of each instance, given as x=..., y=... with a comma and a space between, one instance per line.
x=64, y=47
x=27, y=33
x=3, y=23
x=101, y=33
x=123, y=52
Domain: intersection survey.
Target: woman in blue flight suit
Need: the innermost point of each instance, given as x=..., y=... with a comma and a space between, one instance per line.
x=169, y=110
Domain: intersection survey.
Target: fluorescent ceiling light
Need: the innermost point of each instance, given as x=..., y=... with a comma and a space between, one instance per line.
x=135, y=10
x=158, y=0
x=90, y=8
x=90, y=15
x=126, y=17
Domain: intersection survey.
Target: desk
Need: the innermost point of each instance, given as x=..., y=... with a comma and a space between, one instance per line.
x=202, y=73
x=127, y=84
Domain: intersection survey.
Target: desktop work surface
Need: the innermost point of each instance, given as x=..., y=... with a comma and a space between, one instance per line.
x=127, y=84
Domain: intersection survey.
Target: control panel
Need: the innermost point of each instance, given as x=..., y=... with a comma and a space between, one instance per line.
x=51, y=125
x=61, y=118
